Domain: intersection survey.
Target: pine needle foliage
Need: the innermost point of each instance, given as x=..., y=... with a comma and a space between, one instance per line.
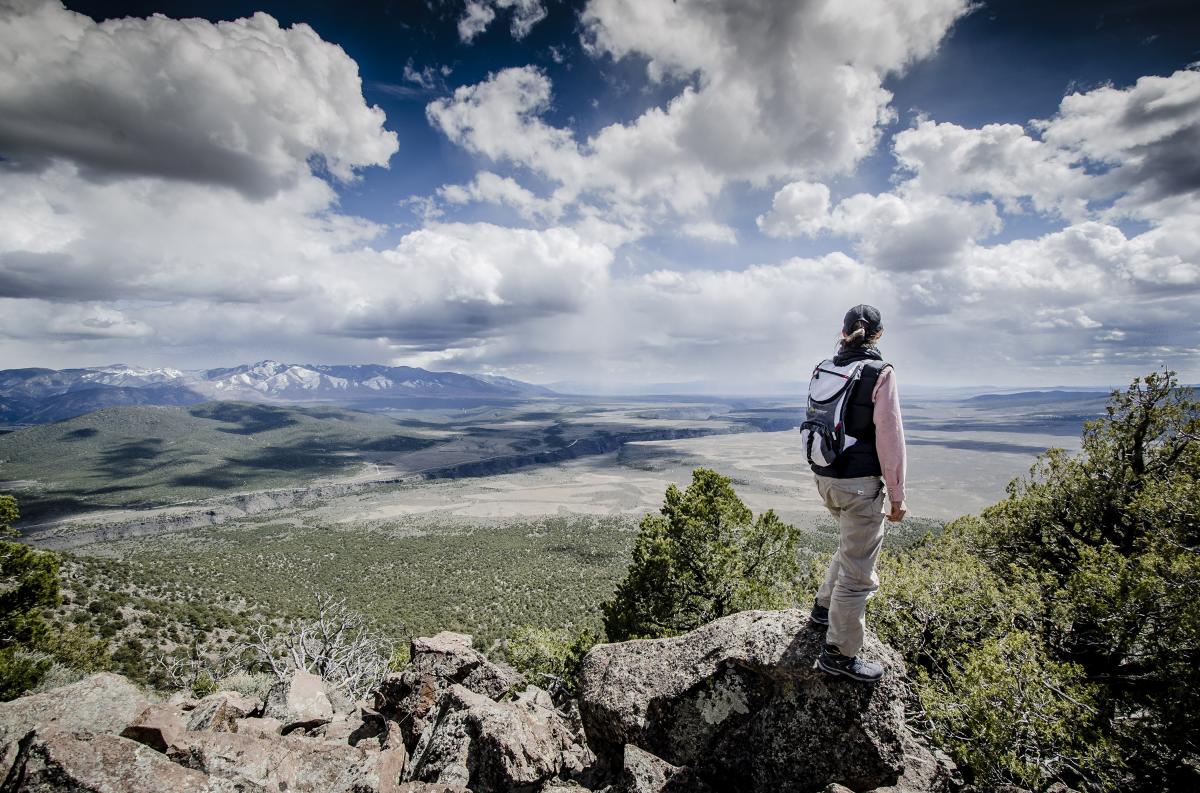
x=703, y=557
x=1056, y=636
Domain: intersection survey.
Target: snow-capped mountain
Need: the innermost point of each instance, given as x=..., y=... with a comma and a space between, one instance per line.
x=36, y=395
x=297, y=381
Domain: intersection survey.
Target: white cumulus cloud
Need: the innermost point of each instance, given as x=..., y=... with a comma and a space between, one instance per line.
x=479, y=14
x=766, y=91
x=243, y=103
x=904, y=230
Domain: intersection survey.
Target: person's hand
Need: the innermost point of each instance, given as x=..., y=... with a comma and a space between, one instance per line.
x=899, y=508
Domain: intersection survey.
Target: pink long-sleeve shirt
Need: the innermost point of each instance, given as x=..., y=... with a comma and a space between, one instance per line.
x=889, y=434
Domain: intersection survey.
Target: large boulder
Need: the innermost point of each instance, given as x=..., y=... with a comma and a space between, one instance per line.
x=740, y=702
x=103, y=703
x=50, y=761
x=299, y=765
x=299, y=703
x=495, y=746
x=410, y=697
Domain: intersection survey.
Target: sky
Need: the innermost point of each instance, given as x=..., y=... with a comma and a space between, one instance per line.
x=604, y=194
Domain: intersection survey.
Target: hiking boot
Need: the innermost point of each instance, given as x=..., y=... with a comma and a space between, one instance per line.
x=833, y=662
x=819, y=614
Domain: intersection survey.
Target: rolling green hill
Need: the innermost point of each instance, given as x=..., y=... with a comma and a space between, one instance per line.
x=141, y=456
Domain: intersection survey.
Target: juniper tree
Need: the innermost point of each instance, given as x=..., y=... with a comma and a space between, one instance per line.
x=1077, y=592
x=28, y=584
x=703, y=557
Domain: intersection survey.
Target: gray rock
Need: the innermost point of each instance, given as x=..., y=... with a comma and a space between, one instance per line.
x=299, y=703
x=392, y=736
x=183, y=698
x=342, y=727
x=1060, y=787
x=103, y=703
x=740, y=703
x=642, y=772
x=297, y=765
x=924, y=771
x=390, y=767
x=537, y=696
x=565, y=786
x=259, y=727
x=495, y=746
x=55, y=761
x=410, y=697
x=220, y=712
x=158, y=726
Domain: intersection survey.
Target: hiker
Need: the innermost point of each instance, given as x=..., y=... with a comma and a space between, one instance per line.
x=854, y=442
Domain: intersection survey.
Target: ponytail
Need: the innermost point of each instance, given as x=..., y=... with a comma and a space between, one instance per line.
x=858, y=337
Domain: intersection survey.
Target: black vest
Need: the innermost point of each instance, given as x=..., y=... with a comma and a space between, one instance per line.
x=861, y=459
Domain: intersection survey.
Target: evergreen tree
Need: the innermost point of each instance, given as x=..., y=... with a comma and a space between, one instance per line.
x=28, y=584
x=703, y=557
x=1077, y=597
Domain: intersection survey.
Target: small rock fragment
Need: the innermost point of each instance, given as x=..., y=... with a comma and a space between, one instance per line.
x=259, y=727
x=220, y=712
x=158, y=726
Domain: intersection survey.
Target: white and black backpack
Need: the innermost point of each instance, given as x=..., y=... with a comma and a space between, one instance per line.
x=823, y=433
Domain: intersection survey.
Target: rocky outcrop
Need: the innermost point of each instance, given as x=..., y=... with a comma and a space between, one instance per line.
x=299, y=765
x=739, y=702
x=259, y=726
x=102, y=703
x=54, y=760
x=496, y=746
x=642, y=772
x=101, y=734
x=410, y=697
x=733, y=706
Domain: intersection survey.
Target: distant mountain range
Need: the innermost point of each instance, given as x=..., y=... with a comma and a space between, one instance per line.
x=35, y=396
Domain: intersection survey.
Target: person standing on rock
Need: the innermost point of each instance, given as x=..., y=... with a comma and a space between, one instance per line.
x=854, y=442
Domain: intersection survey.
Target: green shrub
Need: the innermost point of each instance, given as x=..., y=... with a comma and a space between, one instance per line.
x=28, y=586
x=702, y=558
x=20, y=671
x=247, y=683
x=203, y=685
x=941, y=598
x=1057, y=635
x=549, y=657
x=994, y=697
x=1014, y=715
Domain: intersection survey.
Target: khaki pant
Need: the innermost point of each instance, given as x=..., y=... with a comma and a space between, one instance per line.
x=858, y=504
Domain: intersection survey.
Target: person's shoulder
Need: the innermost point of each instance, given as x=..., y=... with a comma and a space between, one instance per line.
x=886, y=379
x=880, y=369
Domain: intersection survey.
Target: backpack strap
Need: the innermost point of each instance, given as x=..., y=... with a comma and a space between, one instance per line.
x=871, y=371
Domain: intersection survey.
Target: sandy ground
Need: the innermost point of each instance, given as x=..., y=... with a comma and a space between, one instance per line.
x=945, y=479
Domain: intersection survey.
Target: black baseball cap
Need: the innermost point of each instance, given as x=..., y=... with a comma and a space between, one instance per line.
x=869, y=315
